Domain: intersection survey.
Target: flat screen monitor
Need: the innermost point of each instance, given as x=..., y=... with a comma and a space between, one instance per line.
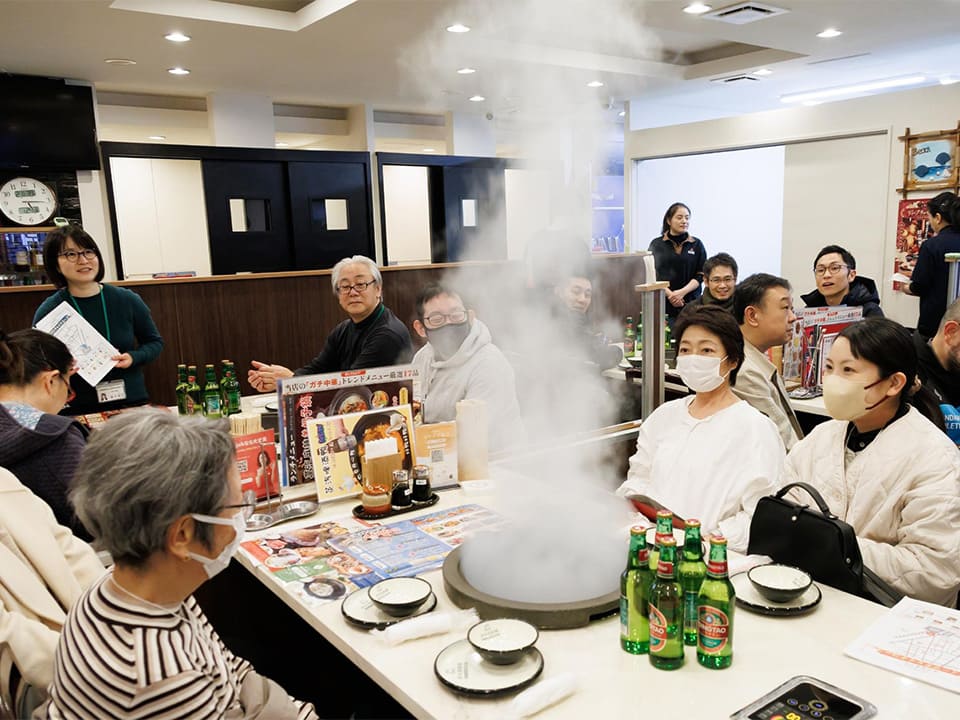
x=47, y=124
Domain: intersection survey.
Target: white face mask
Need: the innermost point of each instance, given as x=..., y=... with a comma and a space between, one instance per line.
x=846, y=399
x=700, y=373
x=212, y=566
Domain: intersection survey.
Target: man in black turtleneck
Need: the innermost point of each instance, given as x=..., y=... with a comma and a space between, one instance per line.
x=371, y=337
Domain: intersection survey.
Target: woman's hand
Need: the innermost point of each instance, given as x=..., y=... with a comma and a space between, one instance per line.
x=675, y=298
x=123, y=360
x=263, y=377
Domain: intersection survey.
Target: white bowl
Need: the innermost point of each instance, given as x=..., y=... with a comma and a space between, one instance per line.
x=400, y=596
x=503, y=641
x=779, y=583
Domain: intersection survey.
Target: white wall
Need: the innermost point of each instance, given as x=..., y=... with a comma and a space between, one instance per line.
x=161, y=216
x=925, y=109
x=746, y=225
x=527, y=207
x=407, y=209
x=96, y=219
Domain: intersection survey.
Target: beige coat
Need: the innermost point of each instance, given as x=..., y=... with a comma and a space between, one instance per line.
x=43, y=571
x=759, y=383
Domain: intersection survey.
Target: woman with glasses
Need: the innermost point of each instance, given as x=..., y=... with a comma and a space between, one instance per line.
x=371, y=336
x=838, y=283
x=75, y=266
x=37, y=445
x=162, y=494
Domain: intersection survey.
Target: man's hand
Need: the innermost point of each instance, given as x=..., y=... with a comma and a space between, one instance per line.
x=263, y=377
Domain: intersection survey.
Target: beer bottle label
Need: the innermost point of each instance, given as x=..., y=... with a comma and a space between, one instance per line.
x=658, y=630
x=643, y=555
x=624, y=617
x=713, y=630
x=716, y=568
x=665, y=568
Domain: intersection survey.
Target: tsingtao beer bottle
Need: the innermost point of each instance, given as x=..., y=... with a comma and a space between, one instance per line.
x=229, y=390
x=691, y=572
x=715, y=610
x=629, y=337
x=635, y=583
x=182, y=389
x=211, y=394
x=194, y=401
x=664, y=530
x=666, y=611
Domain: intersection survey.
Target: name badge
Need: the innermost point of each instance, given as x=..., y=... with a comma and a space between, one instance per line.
x=111, y=391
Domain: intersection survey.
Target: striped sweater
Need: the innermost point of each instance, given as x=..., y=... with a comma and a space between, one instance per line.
x=122, y=658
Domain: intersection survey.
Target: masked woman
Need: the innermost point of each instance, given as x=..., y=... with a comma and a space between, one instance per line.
x=881, y=464
x=710, y=456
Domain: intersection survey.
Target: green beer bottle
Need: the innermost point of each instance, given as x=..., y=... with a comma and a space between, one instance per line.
x=664, y=530
x=194, y=399
x=691, y=572
x=635, y=594
x=182, y=389
x=629, y=338
x=666, y=611
x=229, y=390
x=715, y=610
x=211, y=394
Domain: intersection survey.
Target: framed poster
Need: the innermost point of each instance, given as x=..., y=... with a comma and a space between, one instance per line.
x=930, y=161
x=913, y=229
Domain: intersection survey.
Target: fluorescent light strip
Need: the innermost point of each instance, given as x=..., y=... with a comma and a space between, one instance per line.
x=853, y=89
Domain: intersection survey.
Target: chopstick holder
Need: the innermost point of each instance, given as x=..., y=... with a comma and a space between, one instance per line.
x=425, y=625
x=542, y=695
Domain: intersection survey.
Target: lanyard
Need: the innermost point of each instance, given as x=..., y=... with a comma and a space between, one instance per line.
x=103, y=304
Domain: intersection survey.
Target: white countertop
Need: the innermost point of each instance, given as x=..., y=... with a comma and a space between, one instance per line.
x=615, y=684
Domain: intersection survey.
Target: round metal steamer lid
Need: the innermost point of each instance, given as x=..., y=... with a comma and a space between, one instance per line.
x=546, y=616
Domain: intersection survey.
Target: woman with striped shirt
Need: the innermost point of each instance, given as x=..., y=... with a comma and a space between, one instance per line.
x=162, y=495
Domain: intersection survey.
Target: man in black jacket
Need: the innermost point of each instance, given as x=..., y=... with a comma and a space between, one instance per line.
x=938, y=365
x=835, y=270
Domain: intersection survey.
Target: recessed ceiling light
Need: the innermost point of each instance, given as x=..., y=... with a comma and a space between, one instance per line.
x=429, y=150
x=477, y=98
x=177, y=36
x=762, y=72
x=466, y=71
x=120, y=61
x=697, y=8
x=281, y=144
x=830, y=33
x=622, y=113
x=178, y=71
x=595, y=83
x=157, y=137
x=458, y=28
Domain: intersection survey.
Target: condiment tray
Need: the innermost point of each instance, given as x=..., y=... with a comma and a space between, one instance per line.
x=287, y=511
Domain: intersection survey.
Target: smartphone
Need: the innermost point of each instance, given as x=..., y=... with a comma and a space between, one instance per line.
x=806, y=698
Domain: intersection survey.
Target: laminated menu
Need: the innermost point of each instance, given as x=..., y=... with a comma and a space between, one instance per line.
x=814, y=333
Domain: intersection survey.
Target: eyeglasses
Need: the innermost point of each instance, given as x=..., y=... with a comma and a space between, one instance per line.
x=246, y=509
x=71, y=393
x=73, y=256
x=435, y=320
x=346, y=288
x=725, y=280
x=833, y=269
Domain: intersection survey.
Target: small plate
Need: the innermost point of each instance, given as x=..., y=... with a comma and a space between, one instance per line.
x=300, y=508
x=750, y=599
x=461, y=669
x=270, y=406
x=358, y=608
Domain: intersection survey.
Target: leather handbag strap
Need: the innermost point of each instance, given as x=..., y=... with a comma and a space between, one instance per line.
x=812, y=492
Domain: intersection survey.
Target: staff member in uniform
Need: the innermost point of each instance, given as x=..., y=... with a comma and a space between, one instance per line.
x=929, y=277
x=75, y=266
x=371, y=337
x=679, y=259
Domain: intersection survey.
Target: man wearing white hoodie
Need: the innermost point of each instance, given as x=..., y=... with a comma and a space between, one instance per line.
x=461, y=362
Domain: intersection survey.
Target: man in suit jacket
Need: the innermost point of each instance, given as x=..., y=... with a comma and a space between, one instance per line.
x=763, y=305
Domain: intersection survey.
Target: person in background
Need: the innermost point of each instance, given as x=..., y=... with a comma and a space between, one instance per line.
x=75, y=266
x=39, y=446
x=929, y=277
x=161, y=494
x=710, y=455
x=835, y=271
x=679, y=258
x=763, y=306
x=720, y=272
x=371, y=336
x=938, y=367
x=460, y=362
x=881, y=464
x=575, y=295
x=43, y=571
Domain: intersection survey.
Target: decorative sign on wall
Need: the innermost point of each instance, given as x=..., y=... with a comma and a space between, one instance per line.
x=930, y=161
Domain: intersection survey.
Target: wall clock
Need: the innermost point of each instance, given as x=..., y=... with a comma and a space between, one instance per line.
x=27, y=201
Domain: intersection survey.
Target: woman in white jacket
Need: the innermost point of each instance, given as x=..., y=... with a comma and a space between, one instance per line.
x=883, y=466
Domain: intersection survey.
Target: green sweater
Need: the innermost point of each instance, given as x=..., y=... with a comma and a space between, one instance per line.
x=131, y=330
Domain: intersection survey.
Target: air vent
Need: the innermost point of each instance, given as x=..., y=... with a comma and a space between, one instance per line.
x=743, y=13
x=735, y=78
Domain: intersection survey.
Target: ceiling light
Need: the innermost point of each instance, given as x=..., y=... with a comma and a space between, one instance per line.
x=949, y=80
x=466, y=71
x=477, y=98
x=458, y=28
x=157, y=137
x=595, y=83
x=428, y=150
x=622, y=113
x=281, y=144
x=177, y=36
x=763, y=72
x=812, y=103
x=697, y=8
x=120, y=61
x=178, y=71
x=836, y=92
x=830, y=33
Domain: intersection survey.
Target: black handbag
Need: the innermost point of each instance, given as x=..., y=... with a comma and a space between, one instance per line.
x=817, y=541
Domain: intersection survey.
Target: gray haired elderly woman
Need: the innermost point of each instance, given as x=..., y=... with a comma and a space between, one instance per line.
x=162, y=494
x=372, y=336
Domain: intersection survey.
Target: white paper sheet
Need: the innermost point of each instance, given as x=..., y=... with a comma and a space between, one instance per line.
x=917, y=639
x=89, y=348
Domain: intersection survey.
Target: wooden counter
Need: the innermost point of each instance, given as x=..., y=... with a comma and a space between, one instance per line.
x=285, y=317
